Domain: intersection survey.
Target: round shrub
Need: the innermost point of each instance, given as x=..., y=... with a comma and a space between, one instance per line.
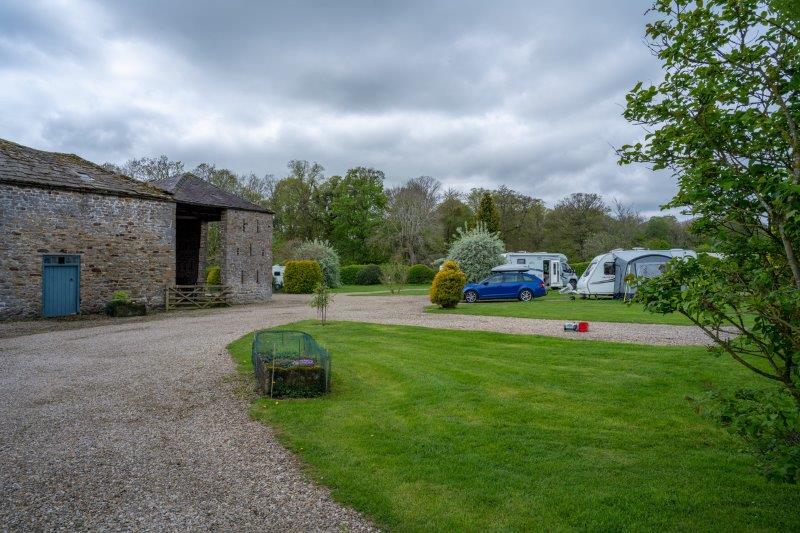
x=323, y=253
x=350, y=274
x=477, y=251
x=121, y=296
x=448, y=285
x=420, y=274
x=300, y=277
x=213, y=276
x=369, y=275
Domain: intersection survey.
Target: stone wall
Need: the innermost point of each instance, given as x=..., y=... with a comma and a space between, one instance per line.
x=246, y=254
x=124, y=243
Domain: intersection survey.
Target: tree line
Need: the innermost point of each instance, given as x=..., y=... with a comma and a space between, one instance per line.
x=415, y=222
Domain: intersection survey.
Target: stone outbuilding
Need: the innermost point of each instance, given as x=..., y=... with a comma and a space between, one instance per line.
x=72, y=233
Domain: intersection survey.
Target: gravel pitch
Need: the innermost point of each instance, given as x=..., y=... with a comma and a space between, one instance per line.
x=142, y=424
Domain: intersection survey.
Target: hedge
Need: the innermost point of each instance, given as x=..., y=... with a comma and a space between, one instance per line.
x=580, y=267
x=349, y=274
x=369, y=275
x=420, y=274
x=300, y=277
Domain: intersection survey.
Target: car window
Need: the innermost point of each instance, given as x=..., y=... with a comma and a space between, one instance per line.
x=568, y=269
x=528, y=277
x=511, y=277
x=497, y=278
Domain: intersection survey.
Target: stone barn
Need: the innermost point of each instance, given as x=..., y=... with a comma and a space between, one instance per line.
x=72, y=233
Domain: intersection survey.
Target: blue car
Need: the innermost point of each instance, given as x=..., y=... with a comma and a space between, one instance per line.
x=505, y=286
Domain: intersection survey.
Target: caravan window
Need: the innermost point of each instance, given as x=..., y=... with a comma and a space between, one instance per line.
x=608, y=268
x=588, y=271
x=521, y=261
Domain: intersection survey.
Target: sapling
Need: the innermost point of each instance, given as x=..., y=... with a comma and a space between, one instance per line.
x=321, y=299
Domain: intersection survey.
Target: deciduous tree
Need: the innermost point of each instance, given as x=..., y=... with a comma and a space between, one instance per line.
x=574, y=223
x=453, y=213
x=412, y=225
x=726, y=121
x=356, y=210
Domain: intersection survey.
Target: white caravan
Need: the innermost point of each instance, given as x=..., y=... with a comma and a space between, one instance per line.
x=605, y=275
x=552, y=268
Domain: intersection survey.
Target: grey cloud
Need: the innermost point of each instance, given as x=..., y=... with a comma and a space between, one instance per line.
x=524, y=93
x=92, y=133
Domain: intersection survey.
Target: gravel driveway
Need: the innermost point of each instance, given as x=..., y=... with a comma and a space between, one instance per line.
x=141, y=424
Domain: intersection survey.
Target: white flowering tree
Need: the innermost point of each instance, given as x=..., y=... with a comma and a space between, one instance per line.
x=477, y=251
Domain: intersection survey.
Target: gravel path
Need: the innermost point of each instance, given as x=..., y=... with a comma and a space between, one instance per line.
x=141, y=423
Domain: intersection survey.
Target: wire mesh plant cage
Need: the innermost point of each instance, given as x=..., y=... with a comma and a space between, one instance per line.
x=290, y=364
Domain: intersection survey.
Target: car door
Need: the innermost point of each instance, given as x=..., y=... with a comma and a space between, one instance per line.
x=492, y=287
x=512, y=284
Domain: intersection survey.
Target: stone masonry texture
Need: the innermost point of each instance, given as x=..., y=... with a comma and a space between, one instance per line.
x=246, y=254
x=125, y=243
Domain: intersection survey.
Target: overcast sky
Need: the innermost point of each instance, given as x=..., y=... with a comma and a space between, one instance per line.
x=528, y=93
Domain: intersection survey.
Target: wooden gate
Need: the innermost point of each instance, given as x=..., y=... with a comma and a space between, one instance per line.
x=61, y=285
x=196, y=296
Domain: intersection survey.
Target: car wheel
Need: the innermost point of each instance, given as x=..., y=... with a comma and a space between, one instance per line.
x=470, y=297
x=525, y=295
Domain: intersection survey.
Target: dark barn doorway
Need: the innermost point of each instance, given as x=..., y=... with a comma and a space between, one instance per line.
x=187, y=251
x=191, y=223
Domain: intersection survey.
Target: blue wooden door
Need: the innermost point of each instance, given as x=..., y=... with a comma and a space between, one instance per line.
x=61, y=285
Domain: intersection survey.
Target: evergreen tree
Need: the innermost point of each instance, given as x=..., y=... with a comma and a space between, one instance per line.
x=488, y=214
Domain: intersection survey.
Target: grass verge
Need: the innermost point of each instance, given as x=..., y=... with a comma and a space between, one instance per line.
x=560, y=307
x=368, y=290
x=429, y=429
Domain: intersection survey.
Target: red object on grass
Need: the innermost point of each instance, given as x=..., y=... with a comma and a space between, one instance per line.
x=583, y=327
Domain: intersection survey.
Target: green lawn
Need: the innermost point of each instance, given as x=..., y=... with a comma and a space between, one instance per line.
x=429, y=429
x=381, y=289
x=561, y=307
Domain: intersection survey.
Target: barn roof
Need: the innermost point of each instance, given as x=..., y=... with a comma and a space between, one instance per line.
x=190, y=189
x=22, y=165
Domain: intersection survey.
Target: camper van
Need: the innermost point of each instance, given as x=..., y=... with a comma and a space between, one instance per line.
x=605, y=275
x=552, y=268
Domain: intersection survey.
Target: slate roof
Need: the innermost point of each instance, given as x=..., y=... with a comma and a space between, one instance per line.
x=189, y=189
x=27, y=166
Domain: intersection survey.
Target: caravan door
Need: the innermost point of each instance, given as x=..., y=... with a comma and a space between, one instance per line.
x=555, y=274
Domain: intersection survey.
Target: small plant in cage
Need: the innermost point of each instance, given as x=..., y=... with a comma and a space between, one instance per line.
x=290, y=364
x=321, y=300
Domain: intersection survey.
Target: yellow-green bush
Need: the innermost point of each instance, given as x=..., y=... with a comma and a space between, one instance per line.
x=213, y=276
x=300, y=277
x=448, y=285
